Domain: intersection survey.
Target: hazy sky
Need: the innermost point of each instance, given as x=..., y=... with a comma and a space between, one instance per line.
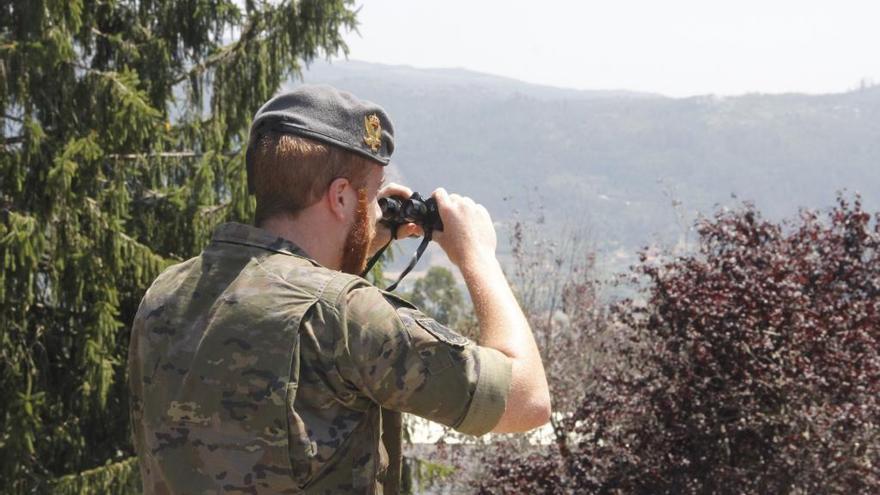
x=674, y=47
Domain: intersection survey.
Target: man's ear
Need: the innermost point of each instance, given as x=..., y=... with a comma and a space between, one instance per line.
x=340, y=199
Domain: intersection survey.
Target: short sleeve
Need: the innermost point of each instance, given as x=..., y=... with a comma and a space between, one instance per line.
x=408, y=362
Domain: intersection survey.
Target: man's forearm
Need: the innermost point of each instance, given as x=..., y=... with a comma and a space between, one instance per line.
x=502, y=323
x=504, y=327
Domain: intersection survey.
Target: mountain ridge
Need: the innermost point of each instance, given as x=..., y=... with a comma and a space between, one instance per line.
x=633, y=170
x=447, y=75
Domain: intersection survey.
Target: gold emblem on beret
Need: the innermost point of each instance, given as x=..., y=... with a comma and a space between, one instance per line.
x=373, y=137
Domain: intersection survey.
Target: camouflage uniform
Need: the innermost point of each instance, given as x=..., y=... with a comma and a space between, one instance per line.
x=253, y=369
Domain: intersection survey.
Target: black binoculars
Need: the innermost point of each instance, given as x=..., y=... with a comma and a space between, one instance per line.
x=397, y=211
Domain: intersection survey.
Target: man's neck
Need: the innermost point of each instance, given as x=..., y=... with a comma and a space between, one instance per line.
x=310, y=234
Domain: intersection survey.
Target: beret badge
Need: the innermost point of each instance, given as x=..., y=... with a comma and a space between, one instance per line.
x=373, y=136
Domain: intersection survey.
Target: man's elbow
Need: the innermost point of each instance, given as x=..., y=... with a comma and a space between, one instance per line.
x=535, y=415
x=525, y=416
x=541, y=410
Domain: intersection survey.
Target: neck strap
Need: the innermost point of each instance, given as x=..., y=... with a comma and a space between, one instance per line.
x=412, y=263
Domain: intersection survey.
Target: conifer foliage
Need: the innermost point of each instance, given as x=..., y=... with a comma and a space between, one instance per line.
x=123, y=129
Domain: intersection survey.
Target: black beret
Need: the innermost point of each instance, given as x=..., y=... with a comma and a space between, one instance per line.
x=334, y=117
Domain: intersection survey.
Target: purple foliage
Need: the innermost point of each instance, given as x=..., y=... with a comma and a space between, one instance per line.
x=750, y=367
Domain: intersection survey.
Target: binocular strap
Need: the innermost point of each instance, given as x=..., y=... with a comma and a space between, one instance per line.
x=412, y=263
x=415, y=259
x=380, y=252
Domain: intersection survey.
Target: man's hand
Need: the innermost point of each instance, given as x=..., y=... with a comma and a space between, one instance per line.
x=383, y=233
x=468, y=235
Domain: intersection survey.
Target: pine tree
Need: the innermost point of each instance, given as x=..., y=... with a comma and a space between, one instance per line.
x=123, y=130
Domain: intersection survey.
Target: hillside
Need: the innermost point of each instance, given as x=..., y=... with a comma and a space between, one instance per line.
x=614, y=161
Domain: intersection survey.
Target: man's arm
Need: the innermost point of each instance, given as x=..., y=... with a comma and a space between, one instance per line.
x=469, y=241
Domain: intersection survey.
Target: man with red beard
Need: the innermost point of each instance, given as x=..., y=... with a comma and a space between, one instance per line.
x=268, y=365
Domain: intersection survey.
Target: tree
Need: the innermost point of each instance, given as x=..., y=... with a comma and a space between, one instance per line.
x=123, y=128
x=752, y=366
x=438, y=296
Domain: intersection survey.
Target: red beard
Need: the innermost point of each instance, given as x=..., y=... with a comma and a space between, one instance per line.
x=357, y=242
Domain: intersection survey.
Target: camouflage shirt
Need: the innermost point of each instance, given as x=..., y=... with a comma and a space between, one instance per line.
x=255, y=370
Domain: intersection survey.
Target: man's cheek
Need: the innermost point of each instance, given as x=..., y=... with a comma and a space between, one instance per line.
x=377, y=211
x=373, y=230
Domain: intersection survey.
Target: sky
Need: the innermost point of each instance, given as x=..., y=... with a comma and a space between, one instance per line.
x=672, y=47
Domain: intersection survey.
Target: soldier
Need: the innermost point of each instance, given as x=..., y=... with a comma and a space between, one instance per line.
x=268, y=365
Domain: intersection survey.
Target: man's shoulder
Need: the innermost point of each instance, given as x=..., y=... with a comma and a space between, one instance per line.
x=280, y=271
x=167, y=282
x=335, y=289
x=174, y=272
x=368, y=305
x=328, y=286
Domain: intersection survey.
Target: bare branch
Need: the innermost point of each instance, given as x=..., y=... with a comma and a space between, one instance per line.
x=220, y=56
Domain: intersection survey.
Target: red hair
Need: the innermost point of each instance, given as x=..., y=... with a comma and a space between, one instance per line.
x=290, y=173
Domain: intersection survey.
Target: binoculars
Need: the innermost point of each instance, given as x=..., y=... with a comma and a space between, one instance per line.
x=397, y=211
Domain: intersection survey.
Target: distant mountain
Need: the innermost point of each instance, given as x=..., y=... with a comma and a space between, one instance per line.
x=615, y=161
x=392, y=77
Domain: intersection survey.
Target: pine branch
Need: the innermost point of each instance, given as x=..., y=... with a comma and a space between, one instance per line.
x=115, y=38
x=134, y=243
x=128, y=240
x=121, y=477
x=168, y=154
x=124, y=238
x=211, y=210
x=114, y=77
